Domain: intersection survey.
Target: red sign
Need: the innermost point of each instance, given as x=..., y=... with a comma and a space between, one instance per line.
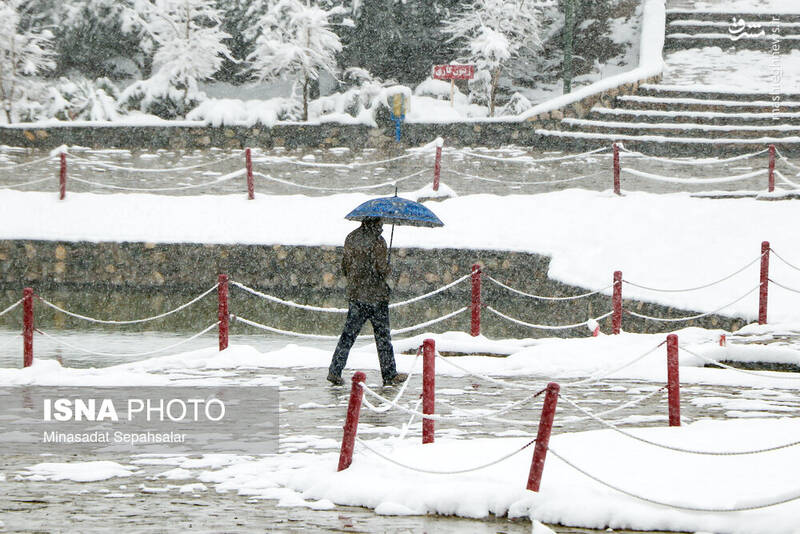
x=453, y=72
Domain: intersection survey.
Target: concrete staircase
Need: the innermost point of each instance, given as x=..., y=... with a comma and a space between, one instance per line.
x=686, y=117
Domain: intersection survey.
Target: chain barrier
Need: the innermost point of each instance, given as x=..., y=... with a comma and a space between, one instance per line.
x=544, y=326
x=441, y=472
x=22, y=184
x=355, y=188
x=132, y=321
x=280, y=159
x=539, y=297
x=772, y=250
x=783, y=286
x=698, y=287
x=455, y=417
x=612, y=426
x=11, y=307
x=387, y=406
x=86, y=161
x=693, y=181
x=27, y=163
x=598, y=378
x=526, y=159
x=575, y=419
x=221, y=179
x=742, y=508
x=786, y=160
x=289, y=303
x=787, y=181
x=496, y=381
x=511, y=182
x=703, y=162
x=320, y=336
x=731, y=368
x=691, y=317
x=60, y=341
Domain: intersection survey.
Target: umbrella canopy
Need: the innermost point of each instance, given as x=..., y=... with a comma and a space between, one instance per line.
x=396, y=210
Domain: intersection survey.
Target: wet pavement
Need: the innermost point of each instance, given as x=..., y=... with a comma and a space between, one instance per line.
x=312, y=414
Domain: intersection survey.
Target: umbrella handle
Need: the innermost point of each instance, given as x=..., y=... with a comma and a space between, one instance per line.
x=389, y=255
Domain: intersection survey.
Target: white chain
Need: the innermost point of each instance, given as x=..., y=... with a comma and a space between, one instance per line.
x=86, y=161
x=785, y=180
x=691, y=317
x=754, y=506
x=355, y=188
x=593, y=379
x=430, y=294
x=132, y=321
x=27, y=163
x=695, y=181
x=280, y=159
x=612, y=426
x=320, y=336
x=21, y=184
x=786, y=160
x=441, y=472
x=574, y=297
x=544, y=326
x=703, y=162
x=628, y=404
x=731, y=368
x=796, y=268
x=388, y=406
x=526, y=159
x=147, y=353
x=784, y=287
x=221, y=179
x=512, y=182
x=496, y=381
x=698, y=287
x=11, y=307
x=289, y=303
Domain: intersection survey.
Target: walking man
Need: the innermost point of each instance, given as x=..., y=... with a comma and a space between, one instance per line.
x=366, y=266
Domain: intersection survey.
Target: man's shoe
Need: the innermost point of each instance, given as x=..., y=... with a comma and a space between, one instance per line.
x=399, y=378
x=336, y=380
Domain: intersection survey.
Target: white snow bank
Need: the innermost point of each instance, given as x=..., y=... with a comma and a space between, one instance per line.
x=662, y=241
x=566, y=496
x=76, y=471
x=651, y=62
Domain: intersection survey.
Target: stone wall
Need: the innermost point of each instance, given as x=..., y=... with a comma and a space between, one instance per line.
x=129, y=280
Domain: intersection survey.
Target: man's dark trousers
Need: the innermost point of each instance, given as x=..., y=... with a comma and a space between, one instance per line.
x=357, y=315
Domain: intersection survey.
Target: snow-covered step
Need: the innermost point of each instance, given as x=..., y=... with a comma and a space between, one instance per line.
x=705, y=104
x=684, y=129
x=757, y=41
x=698, y=117
x=710, y=92
x=668, y=144
x=727, y=25
x=750, y=16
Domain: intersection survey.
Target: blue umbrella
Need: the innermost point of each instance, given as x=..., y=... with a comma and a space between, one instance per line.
x=395, y=210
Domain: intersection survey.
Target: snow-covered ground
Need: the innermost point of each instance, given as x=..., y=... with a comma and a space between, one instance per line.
x=667, y=241
x=737, y=6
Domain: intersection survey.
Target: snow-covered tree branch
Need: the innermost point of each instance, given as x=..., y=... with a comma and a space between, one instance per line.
x=494, y=32
x=187, y=44
x=23, y=54
x=294, y=42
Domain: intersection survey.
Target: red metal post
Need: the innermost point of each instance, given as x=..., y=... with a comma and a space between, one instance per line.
x=27, y=327
x=616, y=304
x=673, y=381
x=248, y=161
x=62, y=177
x=428, y=388
x=543, y=437
x=722, y=340
x=475, y=322
x=764, y=288
x=771, y=168
x=437, y=168
x=616, y=169
x=351, y=423
x=222, y=314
